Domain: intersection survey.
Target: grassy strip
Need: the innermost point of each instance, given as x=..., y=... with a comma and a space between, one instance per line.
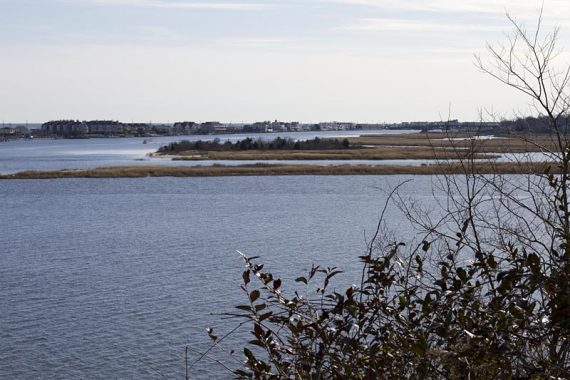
x=381, y=153
x=432, y=145
x=269, y=170
x=506, y=144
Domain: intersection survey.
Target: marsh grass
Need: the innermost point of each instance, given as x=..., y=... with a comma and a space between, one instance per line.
x=452, y=141
x=279, y=170
x=419, y=146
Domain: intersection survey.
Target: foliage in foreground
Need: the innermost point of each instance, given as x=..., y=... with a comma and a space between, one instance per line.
x=500, y=316
x=485, y=294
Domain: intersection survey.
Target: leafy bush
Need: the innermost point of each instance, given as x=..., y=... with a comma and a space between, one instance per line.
x=484, y=294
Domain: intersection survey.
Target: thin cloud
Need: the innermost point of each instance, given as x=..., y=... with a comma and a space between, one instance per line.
x=158, y=31
x=257, y=42
x=174, y=4
x=41, y=28
x=406, y=25
x=556, y=9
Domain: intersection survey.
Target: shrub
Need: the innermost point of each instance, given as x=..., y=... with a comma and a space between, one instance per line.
x=248, y=143
x=484, y=294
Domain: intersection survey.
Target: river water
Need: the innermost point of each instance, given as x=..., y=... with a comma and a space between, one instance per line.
x=112, y=278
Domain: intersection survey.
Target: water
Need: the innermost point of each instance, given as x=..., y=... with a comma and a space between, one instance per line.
x=45, y=154
x=112, y=278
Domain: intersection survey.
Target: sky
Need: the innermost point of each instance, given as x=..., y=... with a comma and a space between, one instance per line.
x=240, y=61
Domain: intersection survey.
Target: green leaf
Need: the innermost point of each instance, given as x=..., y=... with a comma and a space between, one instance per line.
x=301, y=279
x=260, y=307
x=534, y=263
x=419, y=349
x=426, y=304
x=491, y=261
x=245, y=277
x=462, y=274
x=276, y=284
x=254, y=295
x=256, y=342
x=248, y=354
x=549, y=287
x=441, y=331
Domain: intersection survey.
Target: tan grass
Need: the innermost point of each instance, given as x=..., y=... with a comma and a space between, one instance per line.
x=432, y=145
x=269, y=170
x=505, y=144
x=379, y=153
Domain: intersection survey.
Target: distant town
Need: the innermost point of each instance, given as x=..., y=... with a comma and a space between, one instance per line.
x=110, y=128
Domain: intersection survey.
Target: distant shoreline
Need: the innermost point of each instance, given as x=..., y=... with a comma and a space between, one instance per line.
x=447, y=153
x=409, y=146
x=279, y=170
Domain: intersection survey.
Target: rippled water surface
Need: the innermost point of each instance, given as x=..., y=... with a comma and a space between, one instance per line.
x=112, y=278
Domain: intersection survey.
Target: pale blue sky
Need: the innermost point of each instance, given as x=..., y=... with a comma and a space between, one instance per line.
x=309, y=60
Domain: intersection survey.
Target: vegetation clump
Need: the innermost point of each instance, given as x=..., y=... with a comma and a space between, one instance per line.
x=483, y=293
x=248, y=144
x=263, y=169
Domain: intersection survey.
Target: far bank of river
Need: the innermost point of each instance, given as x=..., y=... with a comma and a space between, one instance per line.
x=48, y=155
x=376, y=153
